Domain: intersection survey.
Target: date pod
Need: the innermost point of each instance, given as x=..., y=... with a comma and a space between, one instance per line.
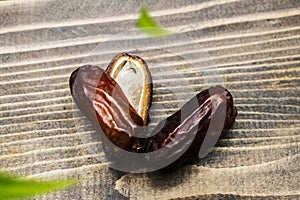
x=116, y=100
x=105, y=99
x=208, y=115
x=133, y=76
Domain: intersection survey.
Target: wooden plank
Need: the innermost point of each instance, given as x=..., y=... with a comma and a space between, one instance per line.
x=254, y=51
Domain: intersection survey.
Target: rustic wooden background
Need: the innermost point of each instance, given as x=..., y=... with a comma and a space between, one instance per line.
x=255, y=44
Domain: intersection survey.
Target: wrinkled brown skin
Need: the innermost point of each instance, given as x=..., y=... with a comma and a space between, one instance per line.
x=102, y=101
x=208, y=106
x=91, y=87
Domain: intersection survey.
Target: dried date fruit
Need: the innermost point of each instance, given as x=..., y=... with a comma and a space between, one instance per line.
x=105, y=98
x=209, y=114
x=133, y=76
x=105, y=103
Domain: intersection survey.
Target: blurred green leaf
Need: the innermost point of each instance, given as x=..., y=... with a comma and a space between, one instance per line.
x=149, y=26
x=14, y=187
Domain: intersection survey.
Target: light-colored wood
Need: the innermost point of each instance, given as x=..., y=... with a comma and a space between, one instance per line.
x=255, y=45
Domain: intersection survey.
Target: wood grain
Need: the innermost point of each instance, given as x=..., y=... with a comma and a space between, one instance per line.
x=253, y=47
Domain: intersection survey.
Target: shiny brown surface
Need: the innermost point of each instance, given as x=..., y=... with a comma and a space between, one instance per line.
x=101, y=99
x=195, y=116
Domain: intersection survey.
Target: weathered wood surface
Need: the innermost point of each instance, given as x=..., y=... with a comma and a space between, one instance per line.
x=254, y=44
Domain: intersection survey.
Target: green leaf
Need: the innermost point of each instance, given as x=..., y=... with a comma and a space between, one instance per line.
x=149, y=26
x=13, y=187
